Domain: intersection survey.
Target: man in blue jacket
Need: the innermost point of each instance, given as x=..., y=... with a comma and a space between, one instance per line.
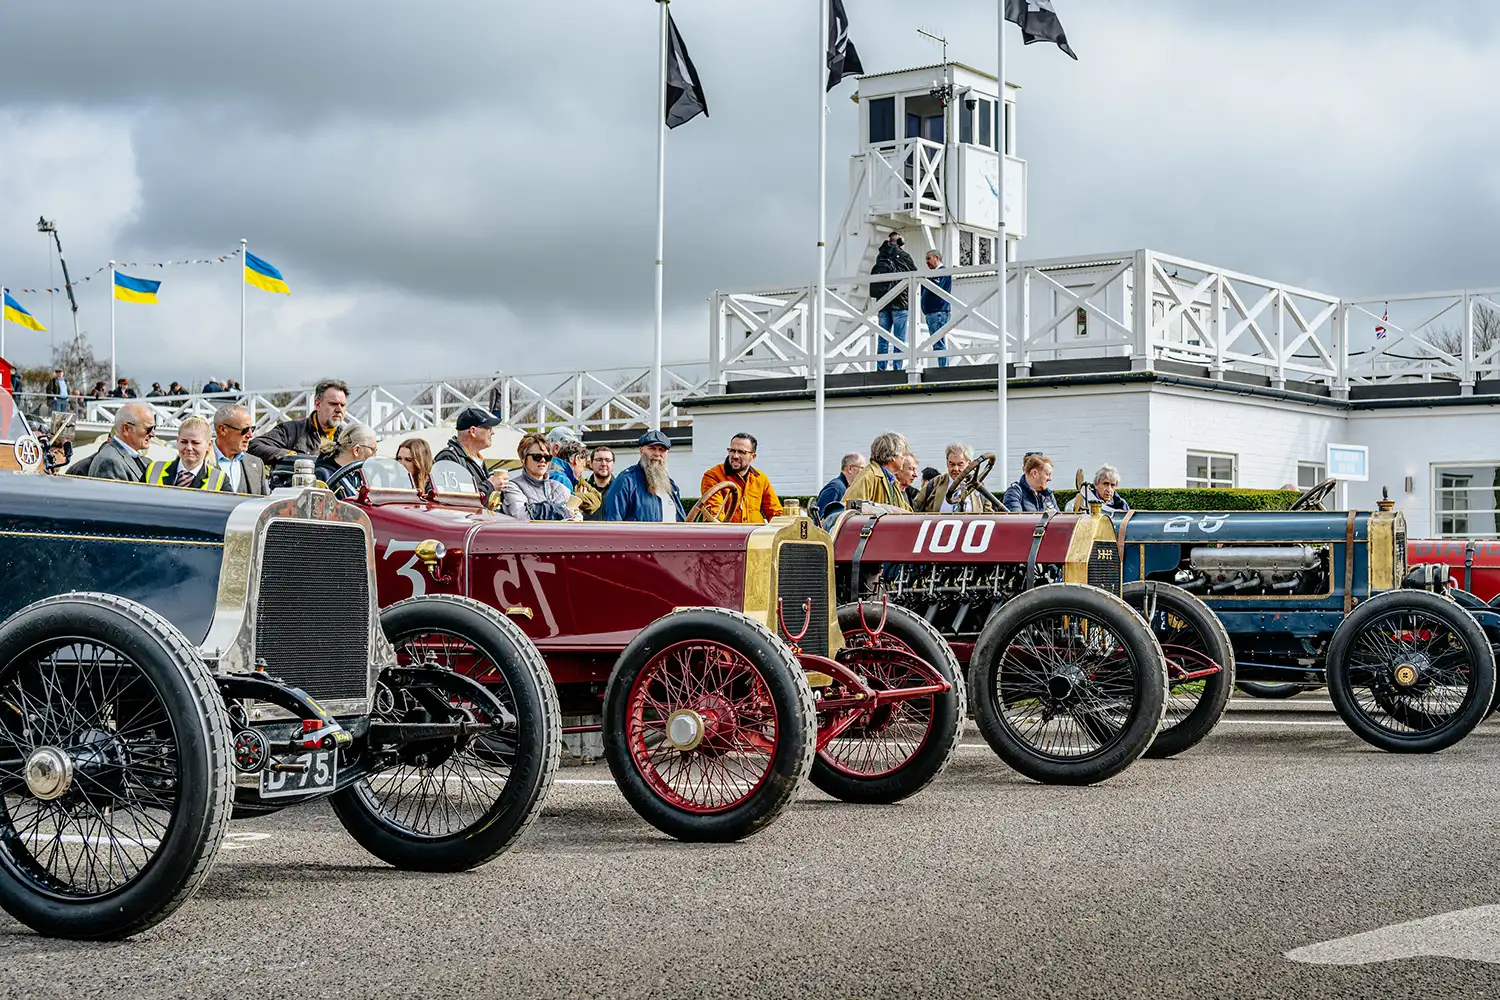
x=851, y=467
x=1030, y=492
x=936, y=309
x=645, y=492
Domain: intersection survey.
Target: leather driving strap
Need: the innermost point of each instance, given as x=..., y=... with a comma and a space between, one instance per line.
x=866, y=530
x=1036, y=544
x=1349, y=563
x=1469, y=565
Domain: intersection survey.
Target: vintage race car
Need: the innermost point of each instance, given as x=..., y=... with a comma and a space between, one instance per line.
x=1473, y=564
x=713, y=658
x=168, y=656
x=1068, y=682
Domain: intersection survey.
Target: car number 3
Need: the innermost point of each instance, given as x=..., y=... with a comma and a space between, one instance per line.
x=409, y=571
x=951, y=533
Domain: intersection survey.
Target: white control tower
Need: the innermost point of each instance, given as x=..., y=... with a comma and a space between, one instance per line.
x=928, y=167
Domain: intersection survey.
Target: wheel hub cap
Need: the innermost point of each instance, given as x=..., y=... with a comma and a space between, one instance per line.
x=1062, y=685
x=1408, y=671
x=685, y=729
x=49, y=773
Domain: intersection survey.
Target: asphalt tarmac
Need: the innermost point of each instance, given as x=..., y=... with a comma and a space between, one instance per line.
x=1193, y=877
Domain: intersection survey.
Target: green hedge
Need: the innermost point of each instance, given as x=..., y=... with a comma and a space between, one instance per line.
x=1199, y=499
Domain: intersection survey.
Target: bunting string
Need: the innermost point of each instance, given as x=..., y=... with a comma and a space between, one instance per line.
x=123, y=265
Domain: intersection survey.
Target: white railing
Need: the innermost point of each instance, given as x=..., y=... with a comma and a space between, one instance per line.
x=1144, y=306
x=905, y=178
x=603, y=399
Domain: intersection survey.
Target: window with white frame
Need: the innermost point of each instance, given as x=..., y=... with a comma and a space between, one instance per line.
x=1210, y=470
x=1310, y=474
x=1466, y=500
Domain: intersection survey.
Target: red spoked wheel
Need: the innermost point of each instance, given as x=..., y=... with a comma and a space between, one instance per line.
x=708, y=724
x=887, y=747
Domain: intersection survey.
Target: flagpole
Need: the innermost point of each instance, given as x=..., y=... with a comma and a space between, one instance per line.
x=820, y=308
x=3, y=293
x=111, y=323
x=1003, y=450
x=243, y=259
x=661, y=210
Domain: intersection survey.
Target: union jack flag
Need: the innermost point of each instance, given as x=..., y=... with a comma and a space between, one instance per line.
x=1380, y=327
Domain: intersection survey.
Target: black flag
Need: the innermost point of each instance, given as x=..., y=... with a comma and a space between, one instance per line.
x=1038, y=22
x=842, y=59
x=685, y=100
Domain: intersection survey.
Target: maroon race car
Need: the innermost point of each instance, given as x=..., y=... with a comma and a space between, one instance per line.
x=714, y=656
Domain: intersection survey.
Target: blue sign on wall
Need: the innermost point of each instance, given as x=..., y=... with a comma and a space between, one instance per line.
x=1349, y=461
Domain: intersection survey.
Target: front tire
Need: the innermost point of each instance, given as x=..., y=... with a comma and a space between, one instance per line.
x=896, y=750
x=445, y=805
x=709, y=725
x=1068, y=684
x=1411, y=672
x=115, y=839
x=1193, y=640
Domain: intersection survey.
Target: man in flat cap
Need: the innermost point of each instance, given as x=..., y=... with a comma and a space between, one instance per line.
x=645, y=491
x=476, y=429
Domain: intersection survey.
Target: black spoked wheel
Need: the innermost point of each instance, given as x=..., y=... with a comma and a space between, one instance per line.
x=1200, y=663
x=115, y=778
x=896, y=750
x=1411, y=672
x=452, y=799
x=1068, y=684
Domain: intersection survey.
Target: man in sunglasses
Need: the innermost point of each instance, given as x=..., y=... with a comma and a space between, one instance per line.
x=232, y=431
x=120, y=457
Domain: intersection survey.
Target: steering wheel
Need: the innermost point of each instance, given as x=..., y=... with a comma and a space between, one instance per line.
x=700, y=513
x=342, y=480
x=971, y=481
x=1313, y=498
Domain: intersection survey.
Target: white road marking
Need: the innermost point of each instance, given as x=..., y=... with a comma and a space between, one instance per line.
x=1472, y=935
x=238, y=840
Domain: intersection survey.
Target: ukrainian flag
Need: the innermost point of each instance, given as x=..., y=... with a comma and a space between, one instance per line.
x=263, y=275
x=15, y=314
x=128, y=289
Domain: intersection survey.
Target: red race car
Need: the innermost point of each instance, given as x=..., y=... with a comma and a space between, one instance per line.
x=1473, y=564
x=715, y=655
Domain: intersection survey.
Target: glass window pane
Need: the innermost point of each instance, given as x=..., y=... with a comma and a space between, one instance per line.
x=883, y=119
x=986, y=114
x=932, y=128
x=1197, y=465
x=1222, y=468
x=913, y=125
x=965, y=124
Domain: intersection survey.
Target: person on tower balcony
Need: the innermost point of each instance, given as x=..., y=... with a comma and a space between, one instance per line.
x=758, y=500
x=191, y=469
x=936, y=309
x=645, y=491
x=1030, y=492
x=122, y=390
x=57, y=388
x=878, y=483
x=307, y=436
x=892, y=259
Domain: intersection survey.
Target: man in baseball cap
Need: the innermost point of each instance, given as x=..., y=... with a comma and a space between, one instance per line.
x=476, y=429
x=645, y=491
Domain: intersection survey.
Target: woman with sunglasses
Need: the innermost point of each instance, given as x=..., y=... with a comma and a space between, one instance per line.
x=415, y=455
x=531, y=495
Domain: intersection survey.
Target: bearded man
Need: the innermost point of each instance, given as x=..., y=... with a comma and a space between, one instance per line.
x=645, y=491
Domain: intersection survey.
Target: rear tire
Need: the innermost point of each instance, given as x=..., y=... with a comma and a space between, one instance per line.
x=910, y=742
x=1411, y=672
x=149, y=795
x=491, y=786
x=1188, y=632
x=1068, y=684
x=709, y=725
x=1274, y=690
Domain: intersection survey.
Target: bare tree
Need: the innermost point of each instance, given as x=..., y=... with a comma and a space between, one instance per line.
x=1450, y=339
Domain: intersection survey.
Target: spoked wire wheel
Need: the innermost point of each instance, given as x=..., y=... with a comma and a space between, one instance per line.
x=454, y=799
x=114, y=767
x=88, y=761
x=708, y=724
x=703, y=726
x=1200, y=662
x=1068, y=684
x=1411, y=671
x=898, y=748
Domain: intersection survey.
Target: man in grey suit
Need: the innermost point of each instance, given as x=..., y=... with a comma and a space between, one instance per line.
x=232, y=430
x=120, y=458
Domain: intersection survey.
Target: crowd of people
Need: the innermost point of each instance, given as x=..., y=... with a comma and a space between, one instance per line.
x=560, y=478
x=63, y=397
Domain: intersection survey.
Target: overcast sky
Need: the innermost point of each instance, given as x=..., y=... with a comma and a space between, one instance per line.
x=465, y=186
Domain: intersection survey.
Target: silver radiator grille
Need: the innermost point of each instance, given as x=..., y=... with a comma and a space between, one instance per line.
x=312, y=614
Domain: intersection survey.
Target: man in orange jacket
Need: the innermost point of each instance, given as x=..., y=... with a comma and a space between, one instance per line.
x=758, y=500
